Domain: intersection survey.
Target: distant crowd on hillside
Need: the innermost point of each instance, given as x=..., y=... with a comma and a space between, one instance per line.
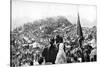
x=52, y=41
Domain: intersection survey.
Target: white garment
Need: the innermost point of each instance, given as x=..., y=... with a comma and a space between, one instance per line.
x=61, y=56
x=93, y=43
x=36, y=62
x=93, y=52
x=35, y=44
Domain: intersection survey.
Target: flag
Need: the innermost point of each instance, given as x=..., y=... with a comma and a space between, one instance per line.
x=79, y=32
x=79, y=28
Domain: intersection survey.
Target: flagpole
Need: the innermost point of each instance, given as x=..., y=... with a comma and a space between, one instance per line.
x=79, y=30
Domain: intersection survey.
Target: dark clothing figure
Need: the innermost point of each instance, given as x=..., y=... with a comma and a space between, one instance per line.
x=52, y=41
x=31, y=63
x=59, y=39
x=86, y=53
x=94, y=58
x=50, y=53
x=40, y=60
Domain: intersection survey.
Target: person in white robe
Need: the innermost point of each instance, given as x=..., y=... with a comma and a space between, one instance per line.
x=61, y=56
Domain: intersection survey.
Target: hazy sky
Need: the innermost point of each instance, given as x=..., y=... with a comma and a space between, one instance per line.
x=25, y=11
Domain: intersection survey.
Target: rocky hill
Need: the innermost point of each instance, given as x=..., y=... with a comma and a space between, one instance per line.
x=23, y=37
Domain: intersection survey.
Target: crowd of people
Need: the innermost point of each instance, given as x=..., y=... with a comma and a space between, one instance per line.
x=58, y=51
x=69, y=53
